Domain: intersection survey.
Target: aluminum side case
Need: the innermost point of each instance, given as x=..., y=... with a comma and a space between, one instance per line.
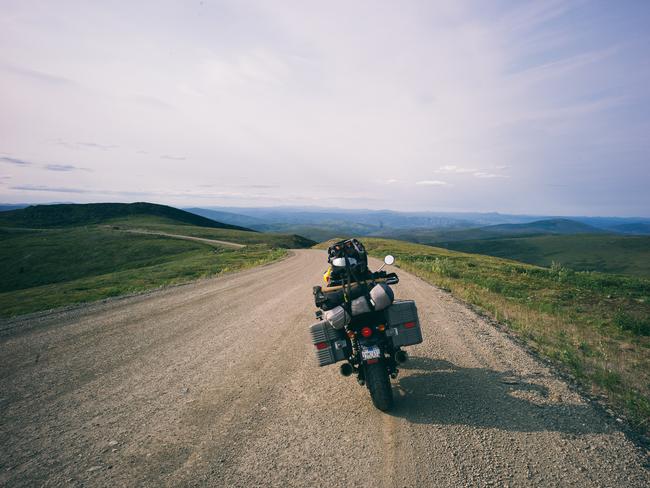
x=330, y=344
x=403, y=324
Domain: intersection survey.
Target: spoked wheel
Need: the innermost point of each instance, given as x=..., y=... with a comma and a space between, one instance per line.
x=378, y=383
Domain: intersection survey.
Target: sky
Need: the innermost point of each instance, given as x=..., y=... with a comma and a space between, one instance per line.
x=538, y=108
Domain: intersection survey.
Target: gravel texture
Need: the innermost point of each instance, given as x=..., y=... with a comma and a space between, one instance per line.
x=215, y=384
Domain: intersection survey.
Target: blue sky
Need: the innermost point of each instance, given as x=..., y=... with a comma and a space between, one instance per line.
x=539, y=107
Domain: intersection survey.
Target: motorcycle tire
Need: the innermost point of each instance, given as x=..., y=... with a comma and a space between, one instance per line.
x=378, y=383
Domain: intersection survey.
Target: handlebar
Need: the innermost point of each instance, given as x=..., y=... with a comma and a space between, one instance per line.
x=388, y=278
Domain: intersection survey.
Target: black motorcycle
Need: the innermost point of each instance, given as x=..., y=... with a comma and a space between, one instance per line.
x=367, y=330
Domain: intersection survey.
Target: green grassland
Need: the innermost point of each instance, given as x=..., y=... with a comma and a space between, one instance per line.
x=72, y=214
x=52, y=268
x=607, y=253
x=57, y=255
x=595, y=325
x=169, y=226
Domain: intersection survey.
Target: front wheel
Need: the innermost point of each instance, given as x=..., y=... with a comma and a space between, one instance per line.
x=378, y=383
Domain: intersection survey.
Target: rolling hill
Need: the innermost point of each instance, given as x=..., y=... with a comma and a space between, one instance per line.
x=56, y=255
x=608, y=253
x=539, y=227
x=65, y=215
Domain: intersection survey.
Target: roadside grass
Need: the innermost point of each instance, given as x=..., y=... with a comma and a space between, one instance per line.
x=160, y=224
x=45, y=269
x=607, y=253
x=596, y=325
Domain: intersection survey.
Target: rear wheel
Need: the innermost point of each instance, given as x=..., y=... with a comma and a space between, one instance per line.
x=378, y=383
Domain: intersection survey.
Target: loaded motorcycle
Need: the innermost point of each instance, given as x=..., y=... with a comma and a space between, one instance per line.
x=361, y=324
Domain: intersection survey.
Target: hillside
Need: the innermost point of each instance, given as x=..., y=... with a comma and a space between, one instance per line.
x=547, y=226
x=53, y=256
x=148, y=223
x=608, y=253
x=639, y=228
x=65, y=215
x=539, y=227
x=597, y=326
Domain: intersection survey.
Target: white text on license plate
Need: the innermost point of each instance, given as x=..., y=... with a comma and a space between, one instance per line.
x=371, y=352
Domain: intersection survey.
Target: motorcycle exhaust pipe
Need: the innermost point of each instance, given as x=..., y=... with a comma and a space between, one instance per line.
x=401, y=357
x=346, y=369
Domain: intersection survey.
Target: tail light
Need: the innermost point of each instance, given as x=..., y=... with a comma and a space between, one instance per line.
x=409, y=325
x=321, y=345
x=366, y=332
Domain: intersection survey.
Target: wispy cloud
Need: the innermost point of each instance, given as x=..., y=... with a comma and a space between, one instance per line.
x=477, y=173
x=452, y=168
x=173, y=158
x=78, y=145
x=53, y=189
x=64, y=167
x=36, y=75
x=97, y=145
x=432, y=183
x=16, y=161
x=482, y=174
x=48, y=166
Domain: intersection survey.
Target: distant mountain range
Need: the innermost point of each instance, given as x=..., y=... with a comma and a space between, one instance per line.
x=322, y=223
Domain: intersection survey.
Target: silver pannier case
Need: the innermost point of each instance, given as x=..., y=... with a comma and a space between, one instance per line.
x=330, y=343
x=403, y=325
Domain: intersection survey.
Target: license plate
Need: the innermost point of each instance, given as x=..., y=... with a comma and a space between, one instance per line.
x=372, y=352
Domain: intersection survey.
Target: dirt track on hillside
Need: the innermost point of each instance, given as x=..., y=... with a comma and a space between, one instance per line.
x=186, y=238
x=214, y=384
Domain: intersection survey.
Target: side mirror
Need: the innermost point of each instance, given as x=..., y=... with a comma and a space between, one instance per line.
x=388, y=259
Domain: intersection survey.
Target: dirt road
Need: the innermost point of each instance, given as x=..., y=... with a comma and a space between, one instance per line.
x=186, y=238
x=214, y=384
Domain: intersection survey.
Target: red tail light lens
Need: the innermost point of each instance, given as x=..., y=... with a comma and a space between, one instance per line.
x=322, y=345
x=409, y=325
x=366, y=332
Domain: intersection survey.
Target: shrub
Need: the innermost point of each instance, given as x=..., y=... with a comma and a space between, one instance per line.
x=628, y=323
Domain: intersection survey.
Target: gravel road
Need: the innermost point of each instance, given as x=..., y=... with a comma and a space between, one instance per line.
x=214, y=384
x=186, y=238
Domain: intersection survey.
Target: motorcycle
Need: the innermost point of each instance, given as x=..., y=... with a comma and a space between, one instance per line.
x=367, y=331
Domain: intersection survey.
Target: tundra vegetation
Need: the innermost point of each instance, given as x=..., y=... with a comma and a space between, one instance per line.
x=594, y=325
x=95, y=255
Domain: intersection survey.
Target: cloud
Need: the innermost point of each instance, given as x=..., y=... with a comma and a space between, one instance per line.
x=49, y=167
x=451, y=168
x=37, y=75
x=43, y=188
x=63, y=167
x=16, y=161
x=482, y=174
x=432, y=183
x=97, y=145
x=77, y=145
x=173, y=158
